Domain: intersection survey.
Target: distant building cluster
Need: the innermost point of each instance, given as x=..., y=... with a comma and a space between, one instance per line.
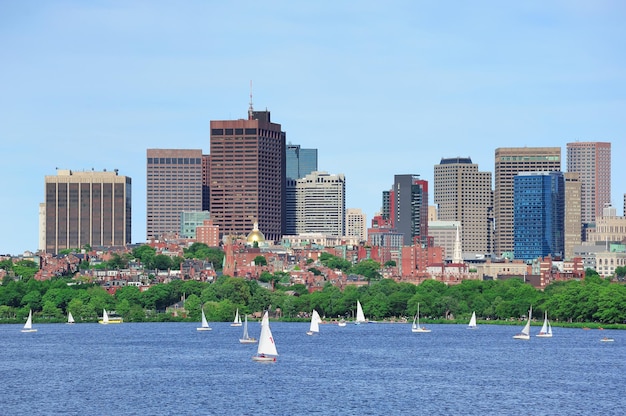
x=526, y=211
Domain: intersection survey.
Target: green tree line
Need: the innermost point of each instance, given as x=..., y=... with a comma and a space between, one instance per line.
x=592, y=299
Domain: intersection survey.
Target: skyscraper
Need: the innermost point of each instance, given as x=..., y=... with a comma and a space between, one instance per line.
x=410, y=215
x=174, y=185
x=247, y=180
x=508, y=163
x=321, y=204
x=538, y=215
x=464, y=194
x=592, y=161
x=573, y=223
x=86, y=208
x=300, y=162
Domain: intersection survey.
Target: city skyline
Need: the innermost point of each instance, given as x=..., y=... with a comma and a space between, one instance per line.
x=92, y=86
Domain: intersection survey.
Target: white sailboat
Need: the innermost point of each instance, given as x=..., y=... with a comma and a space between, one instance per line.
x=525, y=334
x=342, y=322
x=105, y=317
x=416, y=322
x=28, y=326
x=205, y=325
x=472, y=322
x=314, y=328
x=237, y=320
x=546, y=329
x=70, y=318
x=246, y=339
x=266, y=351
x=360, y=316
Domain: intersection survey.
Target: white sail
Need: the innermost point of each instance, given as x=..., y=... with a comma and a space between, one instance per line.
x=360, y=316
x=266, y=341
x=246, y=338
x=546, y=328
x=70, y=318
x=28, y=326
x=205, y=325
x=416, y=322
x=237, y=320
x=315, y=323
x=105, y=317
x=525, y=334
x=472, y=322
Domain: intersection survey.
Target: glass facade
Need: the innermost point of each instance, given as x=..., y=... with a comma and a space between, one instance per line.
x=300, y=162
x=539, y=213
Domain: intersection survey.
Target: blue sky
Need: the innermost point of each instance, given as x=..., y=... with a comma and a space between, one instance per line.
x=379, y=88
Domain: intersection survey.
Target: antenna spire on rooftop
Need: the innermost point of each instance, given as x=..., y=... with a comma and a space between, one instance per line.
x=251, y=108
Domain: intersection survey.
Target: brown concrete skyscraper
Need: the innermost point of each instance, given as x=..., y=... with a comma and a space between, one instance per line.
x=83, y=208
x=174, y=185
x=508, y=163
x=247, y=175
x=592, y=161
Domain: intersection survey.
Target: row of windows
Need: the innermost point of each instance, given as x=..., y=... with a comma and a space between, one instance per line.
x=174, y=161
x=230, y=132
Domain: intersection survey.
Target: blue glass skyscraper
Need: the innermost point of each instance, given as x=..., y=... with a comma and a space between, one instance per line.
x=300, y=162
x=539, y=213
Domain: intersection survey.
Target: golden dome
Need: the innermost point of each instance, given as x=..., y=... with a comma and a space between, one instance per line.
x=255, y=235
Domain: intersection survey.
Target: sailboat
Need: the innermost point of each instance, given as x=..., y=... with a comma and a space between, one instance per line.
x=472, y=322
x=28, y=326
x=546, y=329
x=315, y=323
x=205, y=325
x=105, y=317
x=70, y=318
x=525, y=334
x=266, y=351
x=237, y=320
x=342, y=322
x=246, y=339
x=416, y=322
x=360, y=316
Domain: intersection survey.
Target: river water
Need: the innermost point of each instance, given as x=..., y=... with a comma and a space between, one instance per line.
x=371, y=369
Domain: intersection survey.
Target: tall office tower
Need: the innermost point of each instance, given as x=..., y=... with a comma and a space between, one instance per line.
x=248, y=175
x=87, y=208
x=410, y=216
x=592, y=160
x=174, y=185
x=321, y=204
x=464, y=194
x=539, y=212
x=573, y=224
x=356, y=223
x=509, y=162
x=300, y=162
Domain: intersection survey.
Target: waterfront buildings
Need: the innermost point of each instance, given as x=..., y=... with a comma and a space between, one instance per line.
x=248, y=175
x=86, y=208
x=539, y=199
x=508, y=163
x=592, y=161
x=409, y=205
x=463, y=194
x=173, y=185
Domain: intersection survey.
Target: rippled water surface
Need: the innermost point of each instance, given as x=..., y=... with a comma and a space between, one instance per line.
x=372, y=369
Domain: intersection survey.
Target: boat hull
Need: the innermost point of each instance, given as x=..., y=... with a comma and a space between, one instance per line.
x=544, y=335
x=203, y=329
x=420, y=330
x=235, y=324
x=263, y=359
x=521, y=336
x=247, y=341
x=29, y=330
x=607, y=340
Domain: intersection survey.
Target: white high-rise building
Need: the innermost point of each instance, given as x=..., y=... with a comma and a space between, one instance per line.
x=321, y=204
